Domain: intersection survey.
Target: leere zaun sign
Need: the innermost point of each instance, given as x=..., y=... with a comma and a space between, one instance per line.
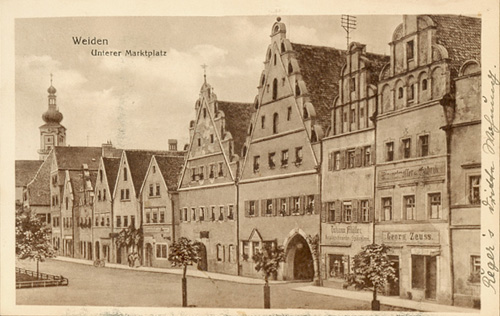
x=411, y=237
x=410, y=173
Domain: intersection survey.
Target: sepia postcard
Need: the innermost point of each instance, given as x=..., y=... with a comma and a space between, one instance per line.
x=250, y=158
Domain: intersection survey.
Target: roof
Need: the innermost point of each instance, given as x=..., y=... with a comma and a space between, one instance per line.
x=39, y=187
x=170, y=168
x=320, y=68
x=26, y=171
x=74, y=157
x=138, y=161
x=111, y=166
x=76, y=178
x=461, y=36
x=237, y=119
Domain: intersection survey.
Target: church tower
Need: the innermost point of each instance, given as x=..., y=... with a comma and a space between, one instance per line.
x=52, y=133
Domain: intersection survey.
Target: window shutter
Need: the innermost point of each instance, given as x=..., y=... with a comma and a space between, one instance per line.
x=371, y=210
x=317, y=204
x=263, y=207
x=338, y=215
x=208, y=214
x=257, y=208
x=373, y=160
x=330, y=162
x=355, y=211
x=341, y=207
x=225, y=212
x=342, y=159
x=302, y=204
x=275, y=206
x=324, y=213
x=357, y=157
x=290, y=206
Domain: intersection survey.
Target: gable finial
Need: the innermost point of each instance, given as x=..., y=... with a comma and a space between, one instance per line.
x=204, y=66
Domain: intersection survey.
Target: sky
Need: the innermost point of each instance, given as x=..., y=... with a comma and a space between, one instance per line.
x=140, y=102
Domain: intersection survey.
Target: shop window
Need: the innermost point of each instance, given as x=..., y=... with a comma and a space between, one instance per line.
x=409, y=207
x=161, y=251
x=389, y=151
x=387, y=208
x=435, y=205
x=365, y=211
x=269, y=207
x=337, y=266
x=284, y=157
x=251, y=211
x=424, y=145
x=271, y=160
x=350, y=158
x=474, y=192
x=256, y=163
x=406, y=148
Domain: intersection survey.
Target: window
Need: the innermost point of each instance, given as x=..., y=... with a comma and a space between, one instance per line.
x=474, y=195
x=125, y=174
x=193, y=174
x=417, y=272
x=387, y=207
x=255, y=247
x=151, y=189
x=184, y=215
x=256, y=163
x=127, y=194
x=154, y=169
x=231, y=256
x=409, y=50
x=275, y=88
x=297, y=92
x=406, y=148
x=104, y=195
x=411, y=92
x=298, y=155
x=336, y=157
x=97, y=221
x=475, y=268
x=102, y=221
x=157, y=189
x=353, y=116
x=389, y=151
x=107, y=221
x=424, y=145
x=122, y=194
x=202, y=214
x=367, y=155
x=251, y=211
x=221, y=213
x=289, y=113
x=201, y=175
x=118, y=221
x=275, y=59
x=424, y=84
x=262, y=121
x=409, y=207
x=199, y=142
x=275, y=123
x=204, y=112
x=66, y=200
x=221, y=169
x=125, y=221
x=310, y=204
x=296, y=205
x=220, y=255
x=284, y=157
x=193, y=214
x=400, y=93
x=100, y=175
x=211, y=138
x=347, y=211
x=331, y=211
x=350, y=158
x=211, y=174
x=132, y=220
x=245, y=253
x=148, y=216
x=435, y=205
x=353, y=84
x=269, y=207
x=230, y=212
x=212, y=213
x=99, y=195
x=161, y=251
x=271, y=161
x=365, y=211
x=162, y=216
x=283, y=208
x=290, y=68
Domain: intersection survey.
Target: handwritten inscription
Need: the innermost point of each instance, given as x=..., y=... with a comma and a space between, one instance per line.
x=490, y=201
x=489, y=276
x=492, y=129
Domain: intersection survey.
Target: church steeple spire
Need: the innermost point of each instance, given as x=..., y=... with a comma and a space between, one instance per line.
x=52, y=115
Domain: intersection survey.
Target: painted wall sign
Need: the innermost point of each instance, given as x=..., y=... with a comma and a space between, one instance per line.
x=411, y=237
x=414, y=172
x=347, y=233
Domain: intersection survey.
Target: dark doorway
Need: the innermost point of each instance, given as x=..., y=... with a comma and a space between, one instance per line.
x=97, y=249
x=202, y=264
x=430, y=277
x=149, y=255
x=299, y=260
x=393, y=288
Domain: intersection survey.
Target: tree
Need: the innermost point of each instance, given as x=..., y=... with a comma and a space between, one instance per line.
x=268, y=260
x=183, y=253
x=373, y=270
x=32, y=238
x=313, y=242
x=130, y=238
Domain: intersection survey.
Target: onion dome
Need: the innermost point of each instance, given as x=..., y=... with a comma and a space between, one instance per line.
x=52, y=116
x=51, y=90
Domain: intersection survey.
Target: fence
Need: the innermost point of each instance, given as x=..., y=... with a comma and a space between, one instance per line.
x=43, y=279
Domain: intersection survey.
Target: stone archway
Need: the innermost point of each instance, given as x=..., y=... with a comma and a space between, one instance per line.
x=299, y=263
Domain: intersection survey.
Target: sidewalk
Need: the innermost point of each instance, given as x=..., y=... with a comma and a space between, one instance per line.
x=385, y=300
x=190, y=272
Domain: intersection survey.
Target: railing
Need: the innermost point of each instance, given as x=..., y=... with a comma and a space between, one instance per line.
x=43, y=279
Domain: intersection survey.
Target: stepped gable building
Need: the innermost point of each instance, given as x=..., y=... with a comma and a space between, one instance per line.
x=25, y=172
x=415, y=128
x=348, y=168
x=160, y=202
x=126, y=195
x=207, y=188
x=36, y=196
x=280, y=182
x=102, y=219
x=52, y=133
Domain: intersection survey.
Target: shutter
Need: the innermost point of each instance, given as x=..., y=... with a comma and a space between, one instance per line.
x=371, y=211
x=330, y=162
x=357, y=157
x=317, y=204
x=225, y=213
x=263, y=207
x=302, y=204
x=275, y=206
x=373, y=157
x=355, y=211
x=342, y=159
x=290, y=205
x=257, y=208
x=324, y=213
x=338, y=215
x=341, y=207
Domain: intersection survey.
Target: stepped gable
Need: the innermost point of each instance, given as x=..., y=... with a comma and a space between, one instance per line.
x=26, y=171
x=139, y=160
x=461, y=36
x=72, y=158
x=170, y=168
x=111, y=166
x=237, y=119
x=39, y=187
x=320, y=68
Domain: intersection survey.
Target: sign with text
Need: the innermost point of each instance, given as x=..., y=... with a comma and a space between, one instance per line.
x=419, y=172
x=345, y=233
x=411, y=237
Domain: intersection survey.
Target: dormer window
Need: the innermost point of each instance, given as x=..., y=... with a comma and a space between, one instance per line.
x=409, y=50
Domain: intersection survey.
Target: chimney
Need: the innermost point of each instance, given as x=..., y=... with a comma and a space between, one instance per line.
x=107, y=149
x=172, y=144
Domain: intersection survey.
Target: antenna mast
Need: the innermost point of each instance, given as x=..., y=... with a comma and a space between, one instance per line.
x=348, y=22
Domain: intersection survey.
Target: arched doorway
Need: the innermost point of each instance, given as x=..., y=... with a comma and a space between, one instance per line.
x=149, y=255
x=202, y=264
x=299, y=263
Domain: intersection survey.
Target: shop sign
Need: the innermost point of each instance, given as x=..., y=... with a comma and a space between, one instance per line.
x=411, y=237
x=412, y=173
x=338, y=233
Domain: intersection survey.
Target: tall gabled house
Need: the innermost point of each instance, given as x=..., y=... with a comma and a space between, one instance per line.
x=207, y=188
x=280, y=181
